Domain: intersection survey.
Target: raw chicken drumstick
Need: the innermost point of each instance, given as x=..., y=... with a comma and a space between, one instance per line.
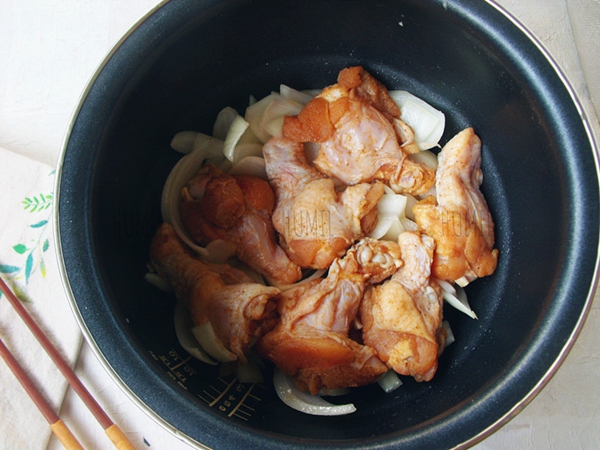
x=238, y=310
x=237, y=209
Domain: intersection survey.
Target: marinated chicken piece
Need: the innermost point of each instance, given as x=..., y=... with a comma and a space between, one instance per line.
x=357, y=126
x=460, y=220
x=402, y=317
x=312, y=342
x=239, y=310
x=237, y=209
x=316, y=222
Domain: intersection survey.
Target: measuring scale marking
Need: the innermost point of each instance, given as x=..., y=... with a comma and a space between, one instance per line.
x=226, y=394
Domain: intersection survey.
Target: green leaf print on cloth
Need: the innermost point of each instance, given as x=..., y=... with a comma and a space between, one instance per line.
x=33, y=247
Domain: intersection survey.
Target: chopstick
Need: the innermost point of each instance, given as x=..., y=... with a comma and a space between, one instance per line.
x=58, y=427
x=113, y=432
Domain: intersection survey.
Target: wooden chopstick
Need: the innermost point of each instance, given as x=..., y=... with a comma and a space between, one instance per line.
x=113, y=432
x=58, y=427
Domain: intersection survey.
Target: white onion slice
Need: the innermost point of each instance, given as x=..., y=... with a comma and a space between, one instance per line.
x=236, y=130
x=183, y=142
x=254, y=114
x=250, y=165
x=312, y=92
x=457, y=299
x=292, y=94
x=271, y=121
x=242, y=151
x=157, y=281
x=289, y=394
x=183, y=330
x=185, y=169
x=427, y=122
x=223, y=122
x=205, y=335
x=449, y=334
x=390, y=381
x=425, y=157
x=391, y=205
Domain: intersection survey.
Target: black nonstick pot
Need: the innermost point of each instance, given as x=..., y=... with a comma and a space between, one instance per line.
x=188, y=59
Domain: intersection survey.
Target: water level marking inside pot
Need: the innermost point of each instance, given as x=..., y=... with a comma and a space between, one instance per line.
x=225, y=393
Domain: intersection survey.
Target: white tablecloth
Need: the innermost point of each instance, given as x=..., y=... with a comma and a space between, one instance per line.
x=50, y=48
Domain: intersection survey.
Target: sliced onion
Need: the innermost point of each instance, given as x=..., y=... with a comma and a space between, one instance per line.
x=289, y=394
x=271, y=121
x=185, y=169
x=236, y=130
x=312, y=92
x=427, y=122
x=426, y=157
x=384, y=223
x=205, y=335
x=391, y=205
x=458, y=299
x=449, y=334
x=410, y=202
x=409, y=225
x=250, y=165
x=242, y=151
x=254, y=114
x=390, y=381
x=223, y=122
x=292, y=94
x=183, y=330
x=158, y=282
x=183, y=142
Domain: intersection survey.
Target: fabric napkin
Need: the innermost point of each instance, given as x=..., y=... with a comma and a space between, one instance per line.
x=28, y=264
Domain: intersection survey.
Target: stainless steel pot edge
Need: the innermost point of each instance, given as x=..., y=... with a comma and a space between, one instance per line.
x=594, y=285
x=60, y=257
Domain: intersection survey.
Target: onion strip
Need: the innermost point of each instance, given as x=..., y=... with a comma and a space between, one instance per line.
x=185, y=169
x=426, y=122
x=289, y=394
x=456, y=297
x=183, y=330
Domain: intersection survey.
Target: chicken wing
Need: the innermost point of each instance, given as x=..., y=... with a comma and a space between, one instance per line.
x=460, y=220
x=402, y=317
x=239, y=310
x=237, y=209
x=317, y=222
x=312, y=342
x=355, y=123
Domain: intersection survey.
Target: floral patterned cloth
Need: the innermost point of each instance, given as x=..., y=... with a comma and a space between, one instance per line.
x=28, y=264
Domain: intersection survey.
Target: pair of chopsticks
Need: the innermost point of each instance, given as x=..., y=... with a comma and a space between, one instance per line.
x=58, y=427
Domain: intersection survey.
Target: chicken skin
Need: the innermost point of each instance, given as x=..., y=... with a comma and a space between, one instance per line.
x=239, y=310
x=402, y=317
x=237, y=209
x=312, y=342
x=460, y=220
x=358, y=126
x=317, y=223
